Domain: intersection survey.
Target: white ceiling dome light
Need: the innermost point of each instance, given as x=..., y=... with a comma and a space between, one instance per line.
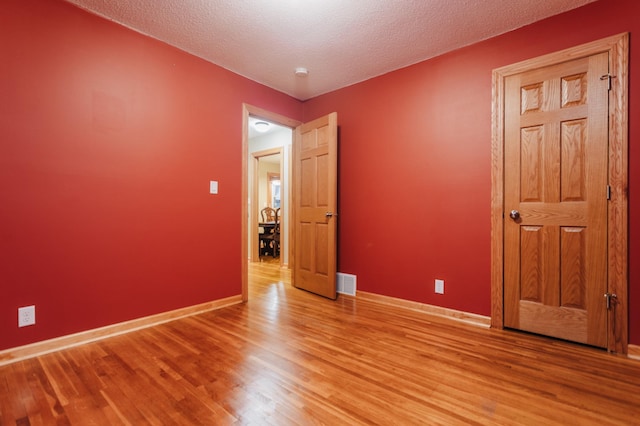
x=261, y=126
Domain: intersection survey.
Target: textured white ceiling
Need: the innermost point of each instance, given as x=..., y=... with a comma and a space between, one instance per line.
x=341, y=42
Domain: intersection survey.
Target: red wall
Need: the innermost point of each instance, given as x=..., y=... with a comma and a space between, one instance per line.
x=415, y=172
x=108, y=140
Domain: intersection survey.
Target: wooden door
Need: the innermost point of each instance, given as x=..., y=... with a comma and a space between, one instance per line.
x=315, y=168
x=555, y=205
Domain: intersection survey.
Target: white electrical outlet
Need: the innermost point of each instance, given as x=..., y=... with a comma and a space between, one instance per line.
x=439, y=286
x=26, y=316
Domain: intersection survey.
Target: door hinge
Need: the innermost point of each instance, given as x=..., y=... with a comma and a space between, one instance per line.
x=608, y=77
x=608, y=192
x=608, y=297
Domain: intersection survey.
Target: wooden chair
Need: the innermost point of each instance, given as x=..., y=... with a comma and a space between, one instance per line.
x=269, y=214
x=269, y=243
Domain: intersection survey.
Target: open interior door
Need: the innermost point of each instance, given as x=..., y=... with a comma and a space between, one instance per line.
x=315, y=217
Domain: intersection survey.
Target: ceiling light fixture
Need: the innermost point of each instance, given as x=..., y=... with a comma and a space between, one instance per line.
x=301, y=72
x=261, y=126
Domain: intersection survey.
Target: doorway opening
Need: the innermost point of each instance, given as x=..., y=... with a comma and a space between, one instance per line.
x=269, y=200
x=265, y=154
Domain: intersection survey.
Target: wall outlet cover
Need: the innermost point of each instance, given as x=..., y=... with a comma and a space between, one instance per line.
x=439, y=286
x=26, y=316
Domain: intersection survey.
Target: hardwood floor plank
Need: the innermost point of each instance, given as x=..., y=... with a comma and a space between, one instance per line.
x=288, y=357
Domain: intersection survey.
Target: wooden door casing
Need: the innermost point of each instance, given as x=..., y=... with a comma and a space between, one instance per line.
x=616, y=258
x=315, y=166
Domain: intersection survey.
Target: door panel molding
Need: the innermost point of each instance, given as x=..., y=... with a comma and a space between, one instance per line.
x=617, y=48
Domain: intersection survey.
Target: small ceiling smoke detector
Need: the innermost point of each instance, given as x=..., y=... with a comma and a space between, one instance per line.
x=301, y=72
x=261, y=126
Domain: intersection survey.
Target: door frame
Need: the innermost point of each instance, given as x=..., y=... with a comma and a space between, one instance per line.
x=282, y=120
x=617, y=222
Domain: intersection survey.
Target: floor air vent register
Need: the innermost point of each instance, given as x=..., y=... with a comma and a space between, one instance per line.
x=346, y=284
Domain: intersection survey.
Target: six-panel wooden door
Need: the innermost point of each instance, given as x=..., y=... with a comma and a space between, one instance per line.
x=555, y=206
x=316, y=159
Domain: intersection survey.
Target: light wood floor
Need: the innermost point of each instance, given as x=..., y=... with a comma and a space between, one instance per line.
x=289, y=357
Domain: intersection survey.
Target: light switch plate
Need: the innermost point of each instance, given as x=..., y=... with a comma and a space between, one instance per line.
x=213, y=187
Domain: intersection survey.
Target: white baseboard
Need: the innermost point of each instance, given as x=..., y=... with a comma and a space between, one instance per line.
x=20, y=353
